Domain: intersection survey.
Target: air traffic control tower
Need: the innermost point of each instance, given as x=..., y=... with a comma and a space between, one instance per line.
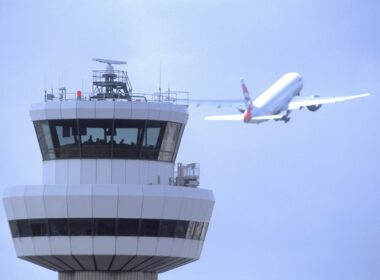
x=111, y=205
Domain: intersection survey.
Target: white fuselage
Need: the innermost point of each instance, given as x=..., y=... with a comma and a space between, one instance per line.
x=277, y=97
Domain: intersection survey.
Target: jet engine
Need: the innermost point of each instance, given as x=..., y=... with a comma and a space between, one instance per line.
x=314, y=108
x=240, y=109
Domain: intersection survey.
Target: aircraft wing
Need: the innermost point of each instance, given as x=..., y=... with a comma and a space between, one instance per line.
x=299, y=102
x=240, y=117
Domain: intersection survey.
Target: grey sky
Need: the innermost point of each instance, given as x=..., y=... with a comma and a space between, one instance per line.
x=294, y=201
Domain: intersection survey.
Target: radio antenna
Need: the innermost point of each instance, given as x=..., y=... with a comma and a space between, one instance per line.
x=159, y=84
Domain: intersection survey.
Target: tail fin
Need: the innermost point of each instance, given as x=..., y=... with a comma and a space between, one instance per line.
x=247, y=97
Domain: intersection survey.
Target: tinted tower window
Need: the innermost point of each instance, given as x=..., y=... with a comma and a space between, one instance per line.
x=108, y=138
x=65, y=138
x=108, y=227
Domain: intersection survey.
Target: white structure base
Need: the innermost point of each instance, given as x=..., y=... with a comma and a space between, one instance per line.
x=104, y=275
x=111, y=206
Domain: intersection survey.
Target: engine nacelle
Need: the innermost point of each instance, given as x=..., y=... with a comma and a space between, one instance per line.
x=241, y=109
x=314, y=108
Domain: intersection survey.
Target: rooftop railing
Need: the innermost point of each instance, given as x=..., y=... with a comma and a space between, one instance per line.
x=174, y=97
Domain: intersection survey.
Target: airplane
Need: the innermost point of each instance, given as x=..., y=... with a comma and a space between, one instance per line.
x=277, y=102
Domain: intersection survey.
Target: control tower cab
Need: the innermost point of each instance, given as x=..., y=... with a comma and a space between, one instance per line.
x=111, y=205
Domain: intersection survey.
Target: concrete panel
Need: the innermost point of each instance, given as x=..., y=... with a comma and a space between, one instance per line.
x=172, y=203
x=140, y=110
x=154, y=171
x=46, y=172
x=61, y=171
x=69, y=109
x=132, y=172
x=60, y=245
x=104, y=245
x=189, y=210
x=27, y=246
x=79, y=201
x=18, y=247
x=177, y=249
x=203, y=201
x=165, y=112
x=179, y=114
x=81, y=245
x=55, y=201
x=103, y=263
x=165, y=171
x=37, y=111
x=88, y=171
x=18, y=202
x=200, y=202
x=123, y=110
x=7, y=201
x=144, y=167
x=193, y=249
x=130, y=201
x=86, y=110
x=53, y=110
x=200, y=248
x=118, y=171
x=119, y=262
x=103, y=171
x=147, y=246
x=69, y=261
x=41, y=245
x=186, y=248
x=87, y=262
x=51, y=171
x=104, y=200
x=34, y=202
x=154, y=111
x=126, y=245
x=153, y=202
x=74, y=171
x=209, y=206
x=104, y=109
x=164, y=246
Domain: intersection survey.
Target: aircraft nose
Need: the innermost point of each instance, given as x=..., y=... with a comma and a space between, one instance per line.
x=300, y=81
x=298, y=78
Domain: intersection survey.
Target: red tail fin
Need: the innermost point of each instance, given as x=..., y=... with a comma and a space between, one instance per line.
x=247, y=97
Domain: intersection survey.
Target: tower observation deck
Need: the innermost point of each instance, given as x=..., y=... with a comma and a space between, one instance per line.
x=111, y=205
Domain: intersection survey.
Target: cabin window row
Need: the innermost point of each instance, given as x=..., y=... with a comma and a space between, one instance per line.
x=108, y=138
x=108, y=227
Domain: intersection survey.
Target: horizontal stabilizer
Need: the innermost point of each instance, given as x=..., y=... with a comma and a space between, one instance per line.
x=267, y=117
x=241, y=118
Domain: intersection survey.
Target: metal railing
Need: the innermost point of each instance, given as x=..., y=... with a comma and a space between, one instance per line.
x=174, y=97
x=187, y=175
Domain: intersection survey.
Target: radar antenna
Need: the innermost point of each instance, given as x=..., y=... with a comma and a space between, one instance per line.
x=109, y=63
x=111, y=84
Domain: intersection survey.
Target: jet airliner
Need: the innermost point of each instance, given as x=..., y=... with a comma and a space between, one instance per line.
x=277, y=102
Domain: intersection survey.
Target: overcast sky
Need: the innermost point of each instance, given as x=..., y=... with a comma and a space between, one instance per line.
x=293, y=201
